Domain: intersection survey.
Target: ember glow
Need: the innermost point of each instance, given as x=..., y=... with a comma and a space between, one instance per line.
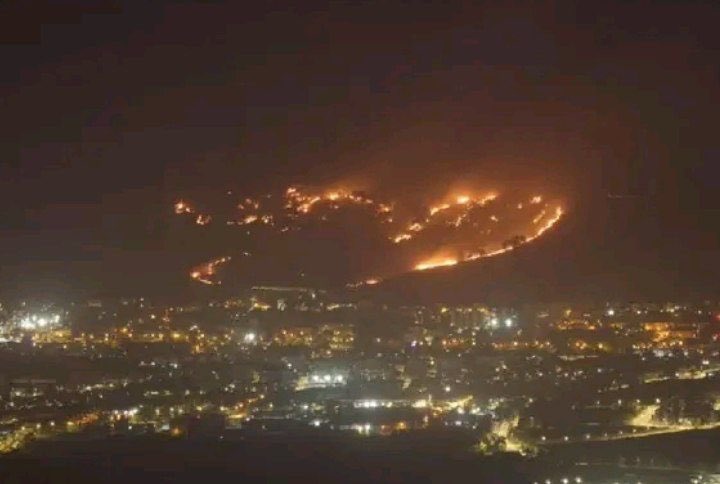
x=435, y=262
x=205, y=273
x=462, y=227
x=465, y=203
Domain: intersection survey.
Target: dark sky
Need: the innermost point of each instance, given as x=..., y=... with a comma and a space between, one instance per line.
x=111, y=110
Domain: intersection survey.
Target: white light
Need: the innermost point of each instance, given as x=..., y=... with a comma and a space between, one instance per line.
x=447, y=389
x=494, y=322
x=508, y=322
x=249, y=337
x=327, y=378
x=611, y=312
x=42, y=322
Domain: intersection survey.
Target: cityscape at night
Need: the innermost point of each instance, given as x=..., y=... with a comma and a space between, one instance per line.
x=360, y=242
x=568, y=390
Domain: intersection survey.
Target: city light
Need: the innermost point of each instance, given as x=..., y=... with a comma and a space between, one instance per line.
x=370, y=241
x=35, y=322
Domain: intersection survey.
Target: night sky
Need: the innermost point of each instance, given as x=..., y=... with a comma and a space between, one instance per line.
x=111, y=111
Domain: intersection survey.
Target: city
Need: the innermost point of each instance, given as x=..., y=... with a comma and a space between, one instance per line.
x=530, y=381
x=359, y=242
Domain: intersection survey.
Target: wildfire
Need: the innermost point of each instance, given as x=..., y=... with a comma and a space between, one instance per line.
x=454, y=218
x=400, y=237
x=462, y=201
x=205, y=272
x=439, y=208
x=435, y=262
x=302, y=203
x=440, y=262
x=549, y=224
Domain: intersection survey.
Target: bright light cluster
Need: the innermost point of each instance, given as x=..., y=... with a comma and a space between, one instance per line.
x=39, y=322
x=327, y=378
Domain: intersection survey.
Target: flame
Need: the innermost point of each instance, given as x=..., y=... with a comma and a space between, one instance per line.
x=439, y=208
x=446, y=261
x=299, y=203
x=400, y=237
x=539, y=217
x=462, y=200
x=487, y=199
x=549, y=224
x=435, y=262
x=205, y=272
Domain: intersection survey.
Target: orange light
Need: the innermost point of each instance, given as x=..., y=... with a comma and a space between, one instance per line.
x=438, y=208
x=433, y=263
x=399, y=238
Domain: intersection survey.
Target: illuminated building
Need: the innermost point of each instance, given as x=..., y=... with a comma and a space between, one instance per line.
x=337, y=337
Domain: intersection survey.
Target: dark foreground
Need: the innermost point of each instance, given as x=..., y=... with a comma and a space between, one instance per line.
x=266, y=459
